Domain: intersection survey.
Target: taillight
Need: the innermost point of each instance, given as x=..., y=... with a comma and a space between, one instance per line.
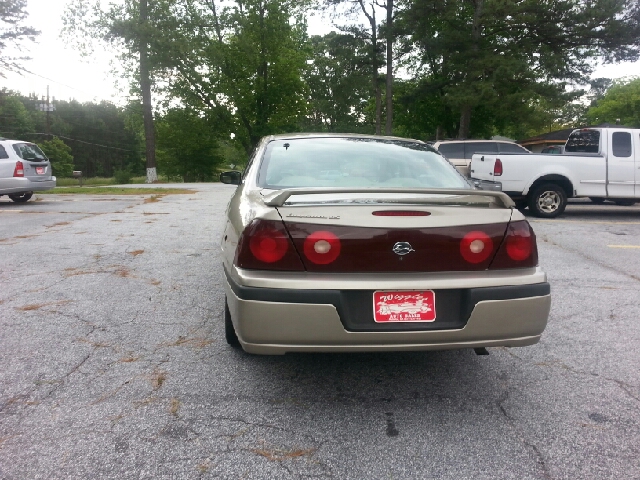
x=268, y=245
x=476, y=247
x=265, y=245
x=349, y=249
x=519, y=248
x=19, y=170
x=322, y=247
x=497, y=168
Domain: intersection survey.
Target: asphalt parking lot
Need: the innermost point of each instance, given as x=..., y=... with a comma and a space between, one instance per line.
x=113, y=362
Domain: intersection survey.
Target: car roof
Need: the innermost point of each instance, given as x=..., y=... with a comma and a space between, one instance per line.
x=292, y=136
x=472, y=140
x=12, y=142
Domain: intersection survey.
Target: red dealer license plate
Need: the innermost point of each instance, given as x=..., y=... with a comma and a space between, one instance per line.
x=409, y=306
x=40, y=170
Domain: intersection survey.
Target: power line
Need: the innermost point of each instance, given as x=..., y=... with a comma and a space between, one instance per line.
x=81, y=141
x=55, y=81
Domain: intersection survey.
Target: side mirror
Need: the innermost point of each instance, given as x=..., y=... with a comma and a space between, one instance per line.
x=231, y=178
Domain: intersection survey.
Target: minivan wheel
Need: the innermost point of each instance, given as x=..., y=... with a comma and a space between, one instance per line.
x=547, y=200
x=21, y=197
x=229, y=331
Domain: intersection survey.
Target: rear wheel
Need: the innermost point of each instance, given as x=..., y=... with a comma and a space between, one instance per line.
x=625, y=203
x=229, y=331
x=21, y=197
x=547, y=200
x=597, y=200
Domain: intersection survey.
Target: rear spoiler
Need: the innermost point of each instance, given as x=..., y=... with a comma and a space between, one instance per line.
x=278, y=198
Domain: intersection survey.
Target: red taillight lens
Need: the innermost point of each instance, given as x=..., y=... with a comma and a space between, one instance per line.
x=519, y=245
x=518, y=249
x=265, y=245
x=476, y=247
x=497, y=168
x=322, y=247
x=19, y=170
x=268, y=245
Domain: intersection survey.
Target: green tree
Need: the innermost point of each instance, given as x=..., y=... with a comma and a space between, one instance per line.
x=132, y=27
x=339, y=85
x=620, y=103
x=15, y=120
x=60, y=156
x=12, y=32
x=186, y=148
x=508, y=55
x=242, y=65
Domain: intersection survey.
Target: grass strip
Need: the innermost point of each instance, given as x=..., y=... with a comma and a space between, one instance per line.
x=116, y=191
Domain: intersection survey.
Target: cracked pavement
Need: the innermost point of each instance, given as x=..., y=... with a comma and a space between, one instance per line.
x=114, y=364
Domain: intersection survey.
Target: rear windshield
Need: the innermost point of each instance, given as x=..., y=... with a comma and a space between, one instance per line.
x=29, y=151
x=586, y=141
x=355, y=162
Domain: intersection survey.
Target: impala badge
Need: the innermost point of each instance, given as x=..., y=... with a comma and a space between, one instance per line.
x=402, y=248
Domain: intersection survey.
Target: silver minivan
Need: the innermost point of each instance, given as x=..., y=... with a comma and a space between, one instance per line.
x=24, y=169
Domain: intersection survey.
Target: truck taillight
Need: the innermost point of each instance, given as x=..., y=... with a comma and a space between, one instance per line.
x=497, y=168
x=19, y=170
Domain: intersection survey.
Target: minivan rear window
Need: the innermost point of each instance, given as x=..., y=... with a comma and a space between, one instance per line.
x=29, y=151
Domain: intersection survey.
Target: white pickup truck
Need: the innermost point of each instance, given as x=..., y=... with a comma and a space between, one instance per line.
x=599, y=163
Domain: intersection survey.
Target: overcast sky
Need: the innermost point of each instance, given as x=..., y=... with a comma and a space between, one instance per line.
x=91, y=79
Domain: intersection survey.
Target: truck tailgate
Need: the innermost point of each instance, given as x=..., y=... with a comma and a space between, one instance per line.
x=482, y=166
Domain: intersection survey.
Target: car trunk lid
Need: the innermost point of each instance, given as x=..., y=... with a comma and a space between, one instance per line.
x=416, y=234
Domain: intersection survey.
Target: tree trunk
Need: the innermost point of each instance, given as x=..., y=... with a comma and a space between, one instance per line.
x=465, y=111
x=374, y=65
x=390, y=38
x=465, y=121
x=145, y=86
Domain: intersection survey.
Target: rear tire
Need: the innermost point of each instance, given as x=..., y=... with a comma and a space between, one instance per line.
x=625, y=203
x=229, y=331
x=547, y=200
x=597, y=200
x=21, y=197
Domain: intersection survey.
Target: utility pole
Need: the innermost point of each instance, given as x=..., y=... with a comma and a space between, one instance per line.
x=47, y=107
x=48, y=132
x=145, y=86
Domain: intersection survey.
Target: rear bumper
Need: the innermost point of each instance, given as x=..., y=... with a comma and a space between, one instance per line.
x=22, y=185
x=487, y=185
x=276, y=321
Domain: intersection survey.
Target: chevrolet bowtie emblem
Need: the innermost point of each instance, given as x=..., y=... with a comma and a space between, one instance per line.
x=402, y=248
